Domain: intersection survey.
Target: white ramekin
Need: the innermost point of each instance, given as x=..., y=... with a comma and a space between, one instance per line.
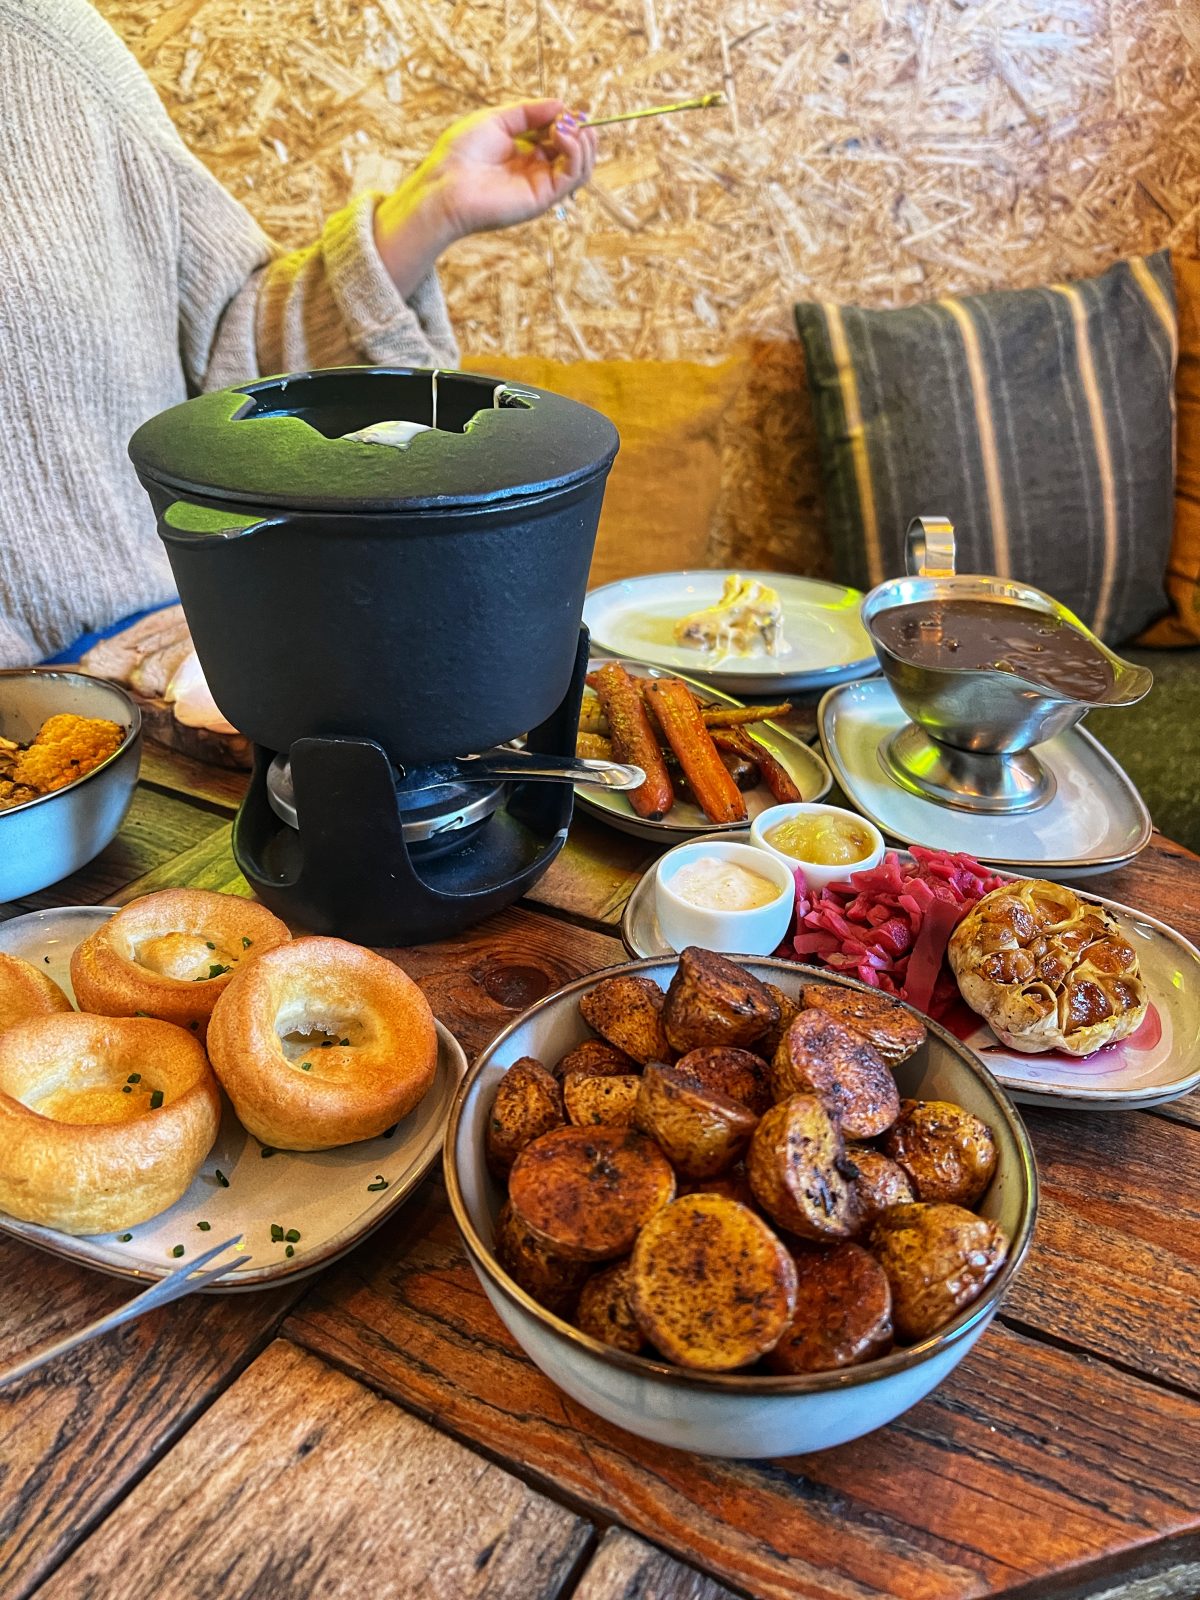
x=748, y=933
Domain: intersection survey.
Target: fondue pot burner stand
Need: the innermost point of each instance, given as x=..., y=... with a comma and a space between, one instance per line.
x=383, y=571
x=970, y=743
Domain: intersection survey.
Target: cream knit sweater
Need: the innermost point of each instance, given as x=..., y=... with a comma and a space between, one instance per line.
x=129, y=279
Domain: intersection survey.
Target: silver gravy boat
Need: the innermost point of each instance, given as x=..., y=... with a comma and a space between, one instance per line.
x=970, y=741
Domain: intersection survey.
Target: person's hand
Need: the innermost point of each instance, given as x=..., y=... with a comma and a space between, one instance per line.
x=491, y=170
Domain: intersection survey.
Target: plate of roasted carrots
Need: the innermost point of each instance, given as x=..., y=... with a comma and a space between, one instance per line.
x=710, y=761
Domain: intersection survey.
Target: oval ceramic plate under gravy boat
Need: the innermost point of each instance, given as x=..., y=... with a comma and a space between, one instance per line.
x=332, y=1198
x=1158, y=1063
x=826, y=642
x=685, y=820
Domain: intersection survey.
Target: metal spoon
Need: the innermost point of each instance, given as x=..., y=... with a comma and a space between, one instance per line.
x=527, y=766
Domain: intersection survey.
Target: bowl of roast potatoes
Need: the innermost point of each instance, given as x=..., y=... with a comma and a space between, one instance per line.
x=736, y=1205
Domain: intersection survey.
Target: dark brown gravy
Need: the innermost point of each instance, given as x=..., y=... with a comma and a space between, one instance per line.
x=996, y=636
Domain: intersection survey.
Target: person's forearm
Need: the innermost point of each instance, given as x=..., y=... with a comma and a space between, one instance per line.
x=412, y=229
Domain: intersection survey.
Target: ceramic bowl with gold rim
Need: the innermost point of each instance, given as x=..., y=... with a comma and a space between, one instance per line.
x=743, y=1414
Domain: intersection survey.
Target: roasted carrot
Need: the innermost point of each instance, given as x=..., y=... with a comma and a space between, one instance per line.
x=777, y=779
x=633, y=739
x=680, y=720
x=736, y=716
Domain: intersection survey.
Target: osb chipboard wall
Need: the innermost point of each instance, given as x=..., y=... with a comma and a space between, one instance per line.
x=876, y=150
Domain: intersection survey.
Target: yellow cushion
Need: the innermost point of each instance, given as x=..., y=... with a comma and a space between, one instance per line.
x=663, y=488
x=1182, y=625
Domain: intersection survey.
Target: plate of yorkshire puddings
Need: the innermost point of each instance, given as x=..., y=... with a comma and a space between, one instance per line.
x=183, y=1070
x=737, y=1205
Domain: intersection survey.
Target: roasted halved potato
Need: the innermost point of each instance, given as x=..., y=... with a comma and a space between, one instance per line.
x=585, y=1192
x=552, y=1280
x=739, y=1074
x=590, y=1098
x=788, y=1008
x=894, y=1031
x=733, y=1185
x=712, y=1001
x=711, y=1284
x=700, y=1131
x=528, y=1103
x=821, y=1056
x=595, y=1056
x=843, y=1312
x=938, y=1259
x=627, y=1011
x=799, y=1171
x=604, y=1310
x=948, y=1153
x=879, y=1182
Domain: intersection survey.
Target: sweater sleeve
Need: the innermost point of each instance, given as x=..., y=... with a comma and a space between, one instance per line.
x=246, y=308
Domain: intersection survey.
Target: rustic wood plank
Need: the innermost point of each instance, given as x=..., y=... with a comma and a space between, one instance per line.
x=156, y=830
x=300, y=1482
x=1115, y=1266
x=174, y=773
x=1162, y=880
x=1029, y=1462
x=75, y=1435
x=208, y=864
x=627, y=1568
x=596, y=872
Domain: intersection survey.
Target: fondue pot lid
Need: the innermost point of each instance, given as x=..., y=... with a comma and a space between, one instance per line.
x=281, y=442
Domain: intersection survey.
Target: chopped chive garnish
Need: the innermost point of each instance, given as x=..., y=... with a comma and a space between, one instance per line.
x=193, y=1026
x=267, y=1151
x=177, y=1250
x=156, y=1099
x=290, y=1251
x=125, y=1089
x=276, y=1233
x=292, y=1235
x=380, y=1183
x=46, y=959
x=221, y=1178
x=134, y=1077
x=343, y=1041
x=204, y=1226
x=217, y=970
x=388, y=1132
x=246, y=943
x=306, y=1066
x=141, y=1013
x=326, y=1044
x=124, y=1238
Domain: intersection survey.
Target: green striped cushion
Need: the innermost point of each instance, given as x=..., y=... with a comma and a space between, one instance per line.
x=1039, y=421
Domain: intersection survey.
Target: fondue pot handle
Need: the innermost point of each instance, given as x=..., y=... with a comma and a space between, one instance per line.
x=930, y=542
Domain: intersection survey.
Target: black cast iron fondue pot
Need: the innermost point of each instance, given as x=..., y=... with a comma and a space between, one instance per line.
x=427, y=597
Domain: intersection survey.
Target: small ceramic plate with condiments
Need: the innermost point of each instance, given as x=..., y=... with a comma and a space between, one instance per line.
x=824, y=642
x=1158, y=1063
x=685, y=820
x=1095, y=822
x=330, y=1200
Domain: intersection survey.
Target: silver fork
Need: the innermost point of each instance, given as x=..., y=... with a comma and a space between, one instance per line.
x=184, y=1280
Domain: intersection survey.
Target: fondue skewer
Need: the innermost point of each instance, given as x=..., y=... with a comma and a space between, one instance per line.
x=702, y=102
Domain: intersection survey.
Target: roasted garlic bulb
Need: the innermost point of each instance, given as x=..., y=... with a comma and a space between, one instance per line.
x=1047, y=970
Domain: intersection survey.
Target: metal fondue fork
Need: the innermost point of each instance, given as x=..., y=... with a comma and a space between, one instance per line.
x=184, y=1280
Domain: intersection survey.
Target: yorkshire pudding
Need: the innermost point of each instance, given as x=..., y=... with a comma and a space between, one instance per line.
x=1047, y=970
x=104, y=1121
x=321, y=1043
x=171, y=954
x=25, y=992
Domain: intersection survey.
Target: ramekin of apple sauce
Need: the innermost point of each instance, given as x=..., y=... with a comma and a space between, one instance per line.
x=827, y=843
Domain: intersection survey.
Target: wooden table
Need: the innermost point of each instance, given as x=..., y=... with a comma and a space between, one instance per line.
x=375, y=1432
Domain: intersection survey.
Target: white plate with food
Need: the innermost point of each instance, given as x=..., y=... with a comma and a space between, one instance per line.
x=296, y=1211
x=1095, y=822
x=802, y=633
x=1157, y=1063
x=803, y=770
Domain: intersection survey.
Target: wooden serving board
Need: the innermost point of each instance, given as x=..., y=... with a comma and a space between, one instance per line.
x=232, y=750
